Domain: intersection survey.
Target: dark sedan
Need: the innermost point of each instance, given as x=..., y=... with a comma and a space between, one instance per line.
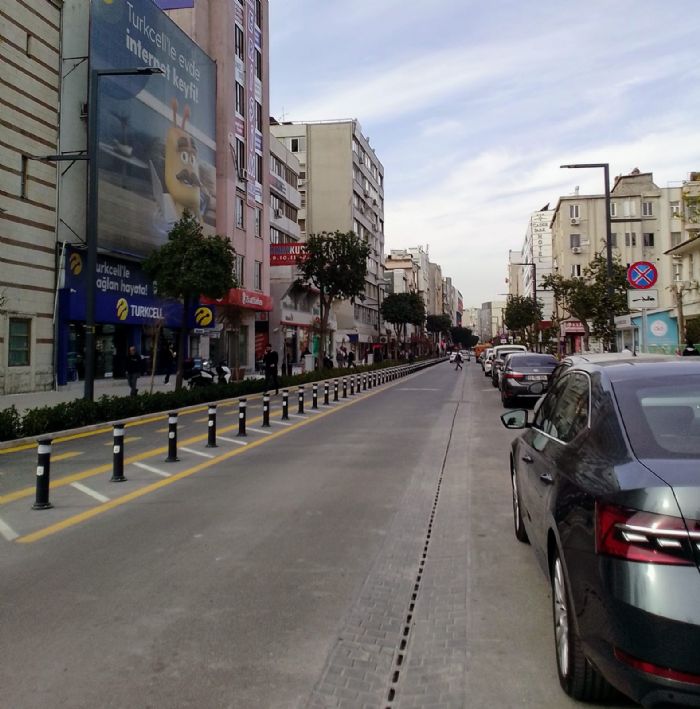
x=606, y=487
x=525, y=376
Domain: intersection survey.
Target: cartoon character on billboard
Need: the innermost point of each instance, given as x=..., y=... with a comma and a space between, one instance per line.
x=182, y=182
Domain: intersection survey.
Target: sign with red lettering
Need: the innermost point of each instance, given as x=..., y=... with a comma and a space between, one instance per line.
x=287, y=254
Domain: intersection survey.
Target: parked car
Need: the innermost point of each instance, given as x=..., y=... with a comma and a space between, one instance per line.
x=525, y=375
x=498, y=353
x=486, y=364
x=605, y=487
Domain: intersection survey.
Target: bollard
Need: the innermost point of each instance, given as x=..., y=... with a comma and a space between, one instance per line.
x=285, y=405
x=370, y=376
x=118, y=454
x=345, y=388
x=314, y=396
x=211, y=427
x=358, y=382
x=43, y=475
x=301, y=400
x=364, y=382
x=352, y=386
x=266, y=410
x=172, y=438
x=242, y=404
x=325, y=394
x=335, y=390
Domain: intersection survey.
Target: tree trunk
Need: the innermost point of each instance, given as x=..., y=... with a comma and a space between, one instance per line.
x=184, y=329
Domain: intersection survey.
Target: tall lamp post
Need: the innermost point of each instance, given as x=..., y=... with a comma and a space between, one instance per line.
x=608, y=243
x=91, y=217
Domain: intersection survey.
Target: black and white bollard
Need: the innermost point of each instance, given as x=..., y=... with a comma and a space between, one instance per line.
x=266, y=410
x=43, y=475
x=326, y=389
x=314, y=396
x=242, y=405
x=352, y=386
x=364, y=382
x=211, y=427
x=285, y=405
x=117, y=454
x=335, y=390
x=172, y=438
x=345, y=388
x=370, y=377
x=358, y=383
x=300, y=410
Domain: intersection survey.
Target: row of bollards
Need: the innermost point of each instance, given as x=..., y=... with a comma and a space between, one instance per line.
x=361, y=382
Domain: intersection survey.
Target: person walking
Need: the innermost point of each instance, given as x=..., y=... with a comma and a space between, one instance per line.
x=689, y=350
x=458, y=361
x=270, y=360
x=134, y=367
x=351, y=359
x=168, y=361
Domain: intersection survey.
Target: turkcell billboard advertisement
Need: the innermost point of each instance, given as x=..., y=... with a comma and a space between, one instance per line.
x=156, y=134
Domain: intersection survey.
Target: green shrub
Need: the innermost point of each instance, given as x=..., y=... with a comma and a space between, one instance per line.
x=10, y=424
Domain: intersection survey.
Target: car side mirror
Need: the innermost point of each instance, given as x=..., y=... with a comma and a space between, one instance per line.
x=515, y=419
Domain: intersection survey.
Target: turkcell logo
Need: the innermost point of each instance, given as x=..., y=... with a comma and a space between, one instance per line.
x=122, y=308
x=203, y=316
x=138, y=312
x=76, y=263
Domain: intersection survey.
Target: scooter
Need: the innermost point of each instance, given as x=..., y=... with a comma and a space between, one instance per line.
x=198, y=375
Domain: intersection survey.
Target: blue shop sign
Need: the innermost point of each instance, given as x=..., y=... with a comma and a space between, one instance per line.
x=123, y=295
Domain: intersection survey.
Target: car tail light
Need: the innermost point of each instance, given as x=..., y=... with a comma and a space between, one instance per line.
x=652, y=669
x=643, y=536
x=514, y=375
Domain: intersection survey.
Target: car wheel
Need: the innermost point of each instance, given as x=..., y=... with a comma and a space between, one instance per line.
x=519, y=527
x=494, y=381
x=508, y=402
x=577, y=676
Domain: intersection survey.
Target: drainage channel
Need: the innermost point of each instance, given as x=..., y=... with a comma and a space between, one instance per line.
x=408, y=621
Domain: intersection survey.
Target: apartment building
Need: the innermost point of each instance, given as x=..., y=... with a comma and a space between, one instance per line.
x=341, y=182
x=30, y=56
x=491, y=320
x=434, y=303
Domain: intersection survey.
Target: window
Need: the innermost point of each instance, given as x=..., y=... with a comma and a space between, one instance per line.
x=565, y=410
x=613, y=240
x=239, y=270
x=675, y=209
x=276, y=236
x=240, y=43
x=258, y=64
x=675, y=238
x=258, y=223
x=297, y=145
x=258, y=116
x=613, y=209
x=257, y=275
x=240, y=213
x=628, y=208
x=240, y=99
x=573, y=211
x=647, y=209
x=648, y=240
x=18, y=350
x=240, y=157
x=302, y=225
x=575, y=270
x=259, y=167
x=574, y=240
x=630, y=239
x=258, y=13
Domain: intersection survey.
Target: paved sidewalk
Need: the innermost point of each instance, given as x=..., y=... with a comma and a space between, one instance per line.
x=75, y=390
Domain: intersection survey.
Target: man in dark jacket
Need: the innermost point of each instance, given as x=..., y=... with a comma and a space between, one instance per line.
x=134, y=367
x=689, y=350
x=270, y=360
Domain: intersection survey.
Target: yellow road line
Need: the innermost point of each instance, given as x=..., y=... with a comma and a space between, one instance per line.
x=127, y=439
x=65, y=456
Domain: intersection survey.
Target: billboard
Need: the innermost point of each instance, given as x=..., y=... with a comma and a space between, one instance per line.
x=156, y=134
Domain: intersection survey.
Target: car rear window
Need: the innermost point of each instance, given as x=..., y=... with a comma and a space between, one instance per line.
x=662, y=416
x=532, y=361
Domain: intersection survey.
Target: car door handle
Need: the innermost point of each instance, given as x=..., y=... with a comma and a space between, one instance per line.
x=527, y=459
x=547, y=478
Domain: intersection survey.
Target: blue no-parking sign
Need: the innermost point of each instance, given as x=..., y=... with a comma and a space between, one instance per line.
x=642, y=274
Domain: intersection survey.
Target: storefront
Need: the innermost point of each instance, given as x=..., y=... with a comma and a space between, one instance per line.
x=571, y=336
x=660, y=336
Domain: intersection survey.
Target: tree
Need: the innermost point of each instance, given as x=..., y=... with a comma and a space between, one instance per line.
x=336, y=264
x=188, y=266
x=439, y=324
x=521, y=315
x=586, y=297
x=463, y=336
x=402, y=309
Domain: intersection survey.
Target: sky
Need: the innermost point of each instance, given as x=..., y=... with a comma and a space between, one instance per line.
x=472, y=106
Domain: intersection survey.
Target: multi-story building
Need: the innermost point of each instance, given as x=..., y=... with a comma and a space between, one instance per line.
x=342, y=188
x=434, y=304
x=29, y=53
x=491, y=323
x=537, y=250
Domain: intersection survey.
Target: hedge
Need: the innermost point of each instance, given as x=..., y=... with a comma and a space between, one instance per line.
x=81, y=412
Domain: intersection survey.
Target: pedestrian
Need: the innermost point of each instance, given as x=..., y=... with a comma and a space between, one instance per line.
x=134, y=367
x=351, y=359
x=270, y=360
x=689, y=350
x=626, y=350
x=458, y=361
x=168, y=361
x=327, y=362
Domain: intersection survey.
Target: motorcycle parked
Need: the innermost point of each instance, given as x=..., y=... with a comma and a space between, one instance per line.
x=198, y=373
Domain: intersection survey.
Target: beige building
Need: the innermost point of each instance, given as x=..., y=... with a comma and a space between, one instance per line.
x=341, y=182
x=434, y=304
x=31, y=70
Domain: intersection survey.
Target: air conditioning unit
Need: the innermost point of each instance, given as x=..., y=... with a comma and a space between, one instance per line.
x=278, y=213
x=243, y=175
x=576, y=249
x=574, y=221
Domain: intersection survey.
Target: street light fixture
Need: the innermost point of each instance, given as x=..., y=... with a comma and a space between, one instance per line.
x=91, y=217
x=608, y=242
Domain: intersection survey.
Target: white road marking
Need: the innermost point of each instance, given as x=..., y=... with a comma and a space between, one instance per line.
x=258, y=430
x=151, y=469
x=89, y=491
x=196, y=452
x=416, y=389
x=7, y=531
x=297, y=416
x=282, y=423
x=233, y=440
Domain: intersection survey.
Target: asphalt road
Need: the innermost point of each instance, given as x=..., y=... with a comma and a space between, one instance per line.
x=361, y=556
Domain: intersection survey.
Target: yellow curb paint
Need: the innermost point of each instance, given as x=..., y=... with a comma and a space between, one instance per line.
x=65, y=456
x=127, y=439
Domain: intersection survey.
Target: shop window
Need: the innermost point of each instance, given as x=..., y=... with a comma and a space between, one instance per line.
x=19, y=342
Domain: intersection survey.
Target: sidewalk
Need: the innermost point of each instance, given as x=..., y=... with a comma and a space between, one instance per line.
x=75, y=390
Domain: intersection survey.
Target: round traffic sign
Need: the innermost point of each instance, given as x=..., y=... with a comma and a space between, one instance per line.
x=642, y=274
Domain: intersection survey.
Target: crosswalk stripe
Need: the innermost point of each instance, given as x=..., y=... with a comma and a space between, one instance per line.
x=233, y=440
x=7, y=532
x=258, y=430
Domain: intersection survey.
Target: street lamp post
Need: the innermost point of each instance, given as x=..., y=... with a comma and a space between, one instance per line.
x=91, y=216
x=608, y=243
